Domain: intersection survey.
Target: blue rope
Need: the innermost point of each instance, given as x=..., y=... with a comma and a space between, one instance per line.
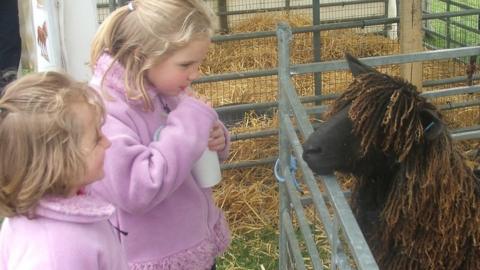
x=293, y=170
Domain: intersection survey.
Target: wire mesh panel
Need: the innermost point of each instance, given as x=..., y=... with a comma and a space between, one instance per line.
x=452, y=32
x=233, y=12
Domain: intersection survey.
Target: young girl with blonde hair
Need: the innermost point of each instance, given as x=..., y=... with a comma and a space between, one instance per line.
x=145, y=55
x=52, y=147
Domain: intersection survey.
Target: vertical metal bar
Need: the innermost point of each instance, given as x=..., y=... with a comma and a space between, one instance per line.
x=425, y=10
x=303, y=222
x=293, y=242
x=335, y=243
x=448, y=34
x=386, y=27
x=287, y=5
x=222, y=9
x=112, y=5
x=317, y=54
x=284, y=36
x=471, y=68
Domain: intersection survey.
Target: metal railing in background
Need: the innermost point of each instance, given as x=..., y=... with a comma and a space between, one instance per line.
x=451, y=32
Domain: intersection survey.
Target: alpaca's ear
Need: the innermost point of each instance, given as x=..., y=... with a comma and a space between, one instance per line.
x=358, y=67
x=432, y=125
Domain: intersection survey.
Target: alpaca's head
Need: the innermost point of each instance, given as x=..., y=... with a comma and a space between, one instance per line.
x=378, y=119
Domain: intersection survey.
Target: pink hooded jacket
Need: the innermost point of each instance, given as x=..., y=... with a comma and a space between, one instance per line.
x=172, y=222
x=71, y=233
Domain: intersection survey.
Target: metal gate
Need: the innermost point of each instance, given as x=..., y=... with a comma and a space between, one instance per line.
x=348, y=246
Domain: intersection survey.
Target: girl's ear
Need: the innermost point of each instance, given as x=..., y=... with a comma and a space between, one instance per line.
x=357, y=67
x=432, y=125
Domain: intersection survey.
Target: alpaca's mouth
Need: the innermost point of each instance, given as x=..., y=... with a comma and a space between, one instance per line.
x=319, y=165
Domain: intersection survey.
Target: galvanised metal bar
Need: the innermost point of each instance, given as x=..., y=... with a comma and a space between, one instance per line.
x=460, y=5
x=448, y=20
x=317, y=52
x=466, y=129
x=297, y=7
x=452, y=91
x=310, y=99
x=260, y=134
x=223, y=19
x=248, y=163
x=286, y=85
x=287, y=4
x=112, y=5
x=341, y=25
x=269, y=105
x=296, y=107
x=460, y=105
x=283, y=145
x=467, y=135
x=237, y=75
x=459, y=79
x=284, y=38
x=302, y=219
x=341, y=64
x=355, y=239
x=262, y=10
x=317, y=109
x=386, y=60
x=293, y=241
x=385, y=15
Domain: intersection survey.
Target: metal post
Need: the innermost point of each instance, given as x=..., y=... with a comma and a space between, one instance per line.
x=284, y=36
x=386, y=27
x=317, y=54
x=112, y=5
x=448, y=34
x=223, y=17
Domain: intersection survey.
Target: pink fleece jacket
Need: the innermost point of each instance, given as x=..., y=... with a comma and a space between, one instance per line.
x=172, y=222
x=71, y=233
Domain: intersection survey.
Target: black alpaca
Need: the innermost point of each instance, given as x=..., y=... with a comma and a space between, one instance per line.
x=414, y=197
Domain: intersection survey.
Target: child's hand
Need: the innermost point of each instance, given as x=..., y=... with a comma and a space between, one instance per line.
x=216, y=141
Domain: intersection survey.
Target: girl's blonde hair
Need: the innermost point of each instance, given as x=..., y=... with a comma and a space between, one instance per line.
x=140, y=34
x=40, y=139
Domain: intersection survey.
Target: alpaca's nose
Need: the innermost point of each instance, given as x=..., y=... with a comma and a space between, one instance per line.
x=309, y=151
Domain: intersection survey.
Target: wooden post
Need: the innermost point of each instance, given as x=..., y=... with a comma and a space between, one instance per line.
x=411, y=39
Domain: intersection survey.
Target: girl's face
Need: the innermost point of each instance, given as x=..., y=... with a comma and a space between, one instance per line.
x=94, y=144
x=177, y=71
